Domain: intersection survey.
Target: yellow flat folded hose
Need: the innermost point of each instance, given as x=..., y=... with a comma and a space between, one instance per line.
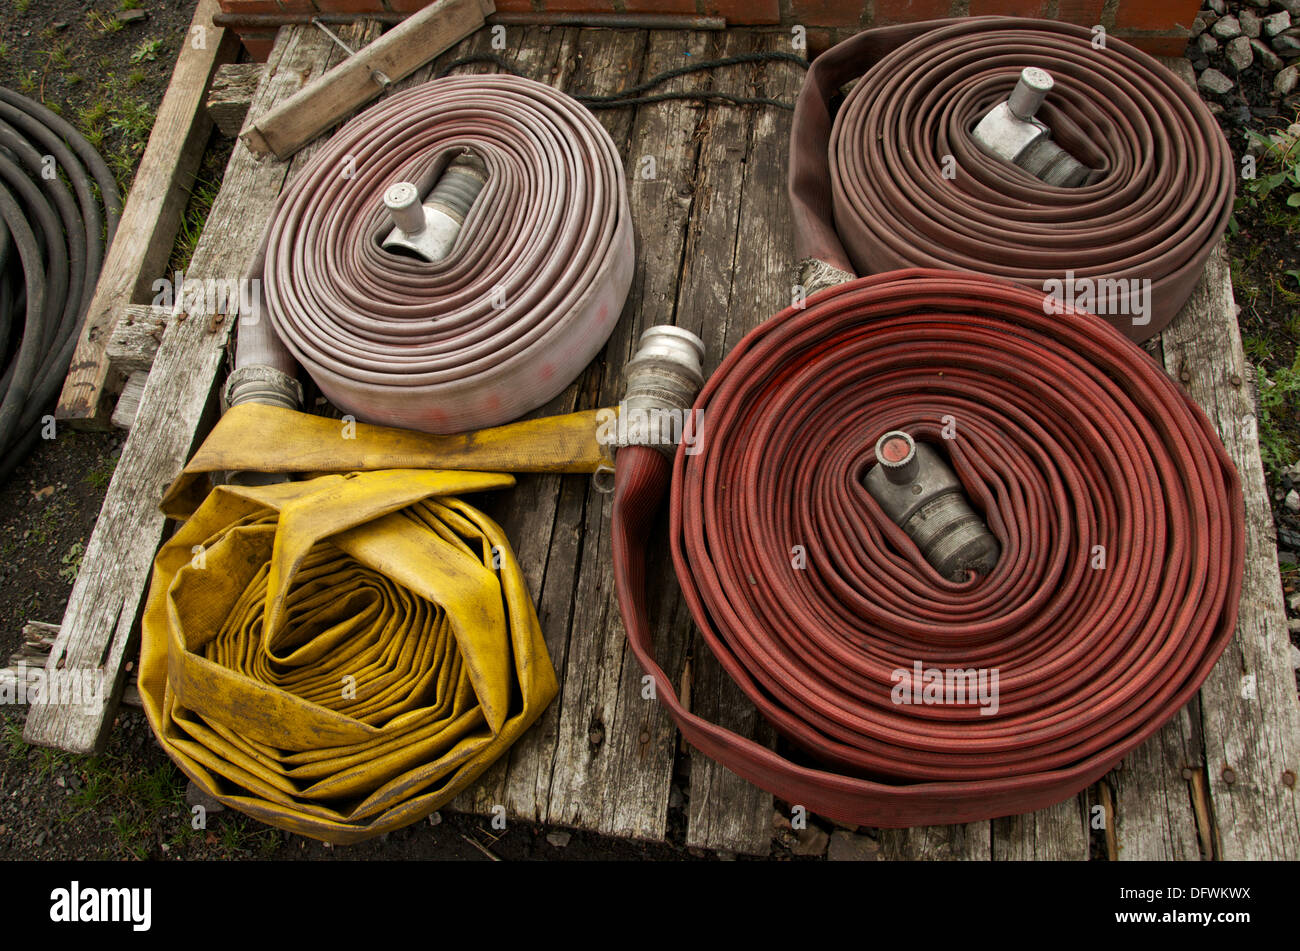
x=343, y=655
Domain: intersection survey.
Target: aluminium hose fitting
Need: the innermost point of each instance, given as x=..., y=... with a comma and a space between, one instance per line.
x=663, y=378
x=262, y=384
x=924, y=497
x=428, y=230
x=1010, y=132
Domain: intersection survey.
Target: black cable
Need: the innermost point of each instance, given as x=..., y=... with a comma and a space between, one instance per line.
x=631, y=96
x=53, y=238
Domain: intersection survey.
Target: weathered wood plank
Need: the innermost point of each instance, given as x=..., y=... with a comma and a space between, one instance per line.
x=972, y=841
x=1154, y=819
x=735, y=275
x=152, y=215
x=101, y=617
x=137, y=332
x=1250, y=716
x=1059, y=833
x=232, y=91
x=359, y=78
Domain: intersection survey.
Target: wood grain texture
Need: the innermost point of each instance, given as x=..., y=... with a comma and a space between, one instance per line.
x=1250, y=716
x=359, y=78
x=150, y=218
x=101, y=619
x=137, y=332
x=231, y=94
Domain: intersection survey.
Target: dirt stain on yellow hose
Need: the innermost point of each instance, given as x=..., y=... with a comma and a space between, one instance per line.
x=341, y=656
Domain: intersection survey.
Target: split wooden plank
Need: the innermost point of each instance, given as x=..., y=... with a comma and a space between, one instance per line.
x=736, y=274
x=1154, y=818
x=1250, y=715
x=137, y=332
x=1058, y=833
x=128, y=403
x=970, y=842
x=363, y=76
x=152, y=215
x=101, y=620
x=231, y=94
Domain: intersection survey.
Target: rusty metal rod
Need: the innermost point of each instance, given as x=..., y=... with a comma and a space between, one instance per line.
x=620, y=21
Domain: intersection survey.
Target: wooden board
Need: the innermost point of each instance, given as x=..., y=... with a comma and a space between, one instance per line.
x=101, y=619
x=152, y=214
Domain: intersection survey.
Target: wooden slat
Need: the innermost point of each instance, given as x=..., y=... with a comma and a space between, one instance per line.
x=1059, y=833
x=137, y=332
x=737, y=272
x=1250, y=716
x=231, y=94
x=152, y=215
x=943, y=843
x=102, y=614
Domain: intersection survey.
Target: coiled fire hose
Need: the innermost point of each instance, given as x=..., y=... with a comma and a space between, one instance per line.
x=894, y=179
x=1119, y=514
x=54, y=231
x=340, y=656
x=528, y=293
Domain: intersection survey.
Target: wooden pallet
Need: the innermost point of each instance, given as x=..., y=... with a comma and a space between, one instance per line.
x=713, y=255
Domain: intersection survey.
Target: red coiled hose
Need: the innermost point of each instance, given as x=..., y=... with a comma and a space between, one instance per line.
x=1119, y=514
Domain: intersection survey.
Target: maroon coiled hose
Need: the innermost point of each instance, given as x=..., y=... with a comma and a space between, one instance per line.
x=1119, y=514
x=894, y=179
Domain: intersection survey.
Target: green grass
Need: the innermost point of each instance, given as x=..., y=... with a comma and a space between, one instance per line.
x=130, y=4
x=22, y=6
x=1279, y=396
x=11, y=739
x=196, y=215
x=103, y=24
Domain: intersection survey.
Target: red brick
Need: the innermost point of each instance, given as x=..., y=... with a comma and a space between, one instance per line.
x=579, y=6
x=250, y=6
x=298, y=6
x=826, y=12
x=1082, y=12
x=743, y=11
x=350, y=6
x=259, y=44
x=1169, y=43
x=1155, y=14
x=1007, y=8
x=686, y=7
x=910, y=11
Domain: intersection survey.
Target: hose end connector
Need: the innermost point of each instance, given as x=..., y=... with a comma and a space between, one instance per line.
x=663, y=378
x=262, y=384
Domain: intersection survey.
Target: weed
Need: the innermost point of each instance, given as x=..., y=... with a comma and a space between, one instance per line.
x=72, y=563
x=136, y=77
x=147, y=51
x=1279, y=159
x=102, y=23
x=11, y=738
x=130, y=4
x=22, y=5
x=1279, y=399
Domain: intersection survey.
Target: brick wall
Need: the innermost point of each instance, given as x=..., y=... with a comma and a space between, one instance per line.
x=1157, y=26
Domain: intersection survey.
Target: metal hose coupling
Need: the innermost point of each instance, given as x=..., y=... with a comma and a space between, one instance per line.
x=1011, y=132
x=428, y=230
x=663, y=378
x=262, y=384
x=924, y=497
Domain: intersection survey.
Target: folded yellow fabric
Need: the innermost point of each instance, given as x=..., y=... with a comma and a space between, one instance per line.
x=341, y=656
